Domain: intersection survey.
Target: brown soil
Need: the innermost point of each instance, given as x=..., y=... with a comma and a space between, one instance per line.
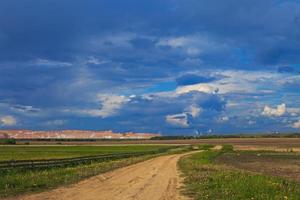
x=157, y=179
x=279, y=148
x=275, y=164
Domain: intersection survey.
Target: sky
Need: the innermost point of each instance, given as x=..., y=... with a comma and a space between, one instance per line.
x=162, y=66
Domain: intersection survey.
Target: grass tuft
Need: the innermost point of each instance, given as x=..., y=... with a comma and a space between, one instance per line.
x=206, y=146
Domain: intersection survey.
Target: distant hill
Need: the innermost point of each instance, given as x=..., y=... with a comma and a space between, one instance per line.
x=3, y=135
x=72, y=134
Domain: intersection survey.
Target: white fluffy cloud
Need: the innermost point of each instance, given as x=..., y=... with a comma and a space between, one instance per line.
x=194, y=110
x=192, y=45
x=181, y=119
x=296, y=124
x=233, y=82
x=223, y=119
x=205, y=88
x=8, y=121
x=110, y=104
x=188, y=44
x=293, y=111
x=51, y=63
x=96, y=61
x=279, y=111
x=178, y=120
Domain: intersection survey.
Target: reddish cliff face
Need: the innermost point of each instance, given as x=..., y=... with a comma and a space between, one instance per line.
x=72, y=134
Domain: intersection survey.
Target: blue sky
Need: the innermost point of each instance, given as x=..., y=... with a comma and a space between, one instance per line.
x=164, y=66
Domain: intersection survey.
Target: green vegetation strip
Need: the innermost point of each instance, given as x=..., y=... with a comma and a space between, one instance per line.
x=12, y=164
x=19, y=181
x=205, y=179
x=258, y=135
x=8, y=153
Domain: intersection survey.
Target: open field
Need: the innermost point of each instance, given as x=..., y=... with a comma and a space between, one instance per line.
x=56, y=152
x=251, y=168
x=18, y=181
x=270, y=143
x=227, y=174
x=285, y=165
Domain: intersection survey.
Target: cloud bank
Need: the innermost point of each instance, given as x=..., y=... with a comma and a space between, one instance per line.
x=173, y=67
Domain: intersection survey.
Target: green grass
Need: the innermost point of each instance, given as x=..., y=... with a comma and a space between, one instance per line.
x=205, y=179
x=8, y=141
x=53, y=152
x=206, y=146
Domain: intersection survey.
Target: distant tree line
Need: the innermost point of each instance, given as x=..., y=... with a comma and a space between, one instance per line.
x=7, y=141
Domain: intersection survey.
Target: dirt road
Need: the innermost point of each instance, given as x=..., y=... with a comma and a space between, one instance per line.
x=155, y=179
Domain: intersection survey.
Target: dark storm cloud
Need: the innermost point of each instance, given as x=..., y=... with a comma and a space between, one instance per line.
x=59, y=54
x=287, y=69
x=60, y=29
x=190, y=79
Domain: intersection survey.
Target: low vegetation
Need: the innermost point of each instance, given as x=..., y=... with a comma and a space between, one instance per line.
x=206, y=146
x=54, y=152
x=222, y=136
x=19, y=181
x=283, y=164
x=207, y=177
x=8, y=141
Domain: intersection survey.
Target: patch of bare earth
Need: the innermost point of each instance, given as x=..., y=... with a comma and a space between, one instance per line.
x=155, y=179
x=266, y=148
x=277, y=164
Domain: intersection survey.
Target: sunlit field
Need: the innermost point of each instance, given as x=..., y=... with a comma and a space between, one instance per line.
x=29, y=178
x=226, y=174
x=55, y=152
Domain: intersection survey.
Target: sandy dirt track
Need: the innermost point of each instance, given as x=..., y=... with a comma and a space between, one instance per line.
x=155, y=179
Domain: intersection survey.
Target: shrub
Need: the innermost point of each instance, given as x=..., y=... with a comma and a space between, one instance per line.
x=8, y=141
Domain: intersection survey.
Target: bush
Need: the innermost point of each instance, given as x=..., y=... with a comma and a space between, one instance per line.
x=8, y=141
x=206, y=146
x=227, y=148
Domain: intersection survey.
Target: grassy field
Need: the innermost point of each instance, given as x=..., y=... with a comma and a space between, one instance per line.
x=285, y=165
x=53, y=152
x=280, y=144
x=221, y=175
x=19, y=181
